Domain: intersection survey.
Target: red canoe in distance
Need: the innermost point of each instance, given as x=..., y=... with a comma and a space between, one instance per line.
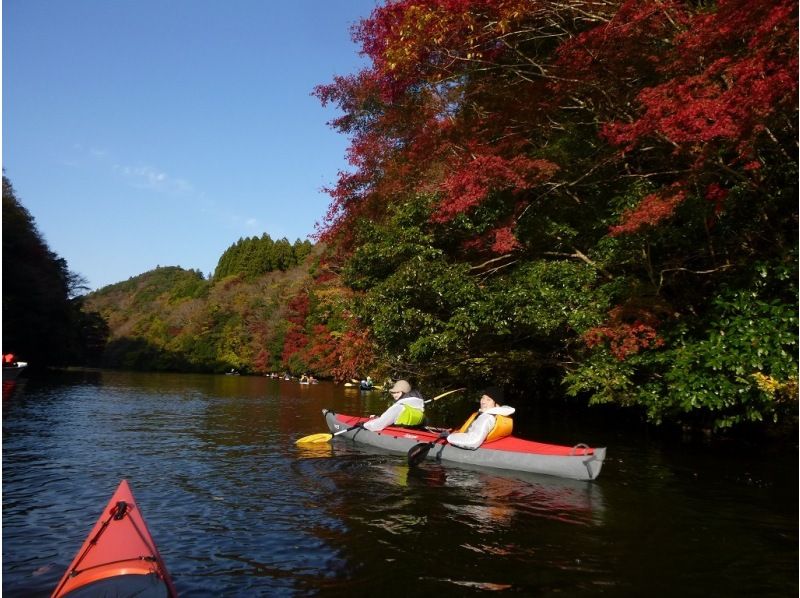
x=118, y=558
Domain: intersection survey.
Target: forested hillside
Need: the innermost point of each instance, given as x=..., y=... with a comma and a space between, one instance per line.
x=600, y=197
x=174, y=319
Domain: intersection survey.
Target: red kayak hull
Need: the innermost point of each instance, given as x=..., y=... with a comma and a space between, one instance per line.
x=118, y=556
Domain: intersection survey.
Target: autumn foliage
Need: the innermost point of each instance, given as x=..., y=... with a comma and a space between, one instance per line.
x=568, y=160
x=601, y=194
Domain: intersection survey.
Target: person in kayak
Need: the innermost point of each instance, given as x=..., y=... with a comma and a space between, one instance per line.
x=408, y=409
x=491, y=422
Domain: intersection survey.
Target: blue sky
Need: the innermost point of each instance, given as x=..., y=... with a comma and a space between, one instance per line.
x=141, y=133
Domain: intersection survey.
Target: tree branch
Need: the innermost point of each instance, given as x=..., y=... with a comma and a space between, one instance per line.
x=662, y=272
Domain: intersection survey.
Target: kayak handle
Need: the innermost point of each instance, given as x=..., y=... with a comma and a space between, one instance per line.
x=580, y=445
x=120, y=509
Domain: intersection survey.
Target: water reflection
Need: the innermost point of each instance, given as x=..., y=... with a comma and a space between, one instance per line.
x=8, y=388
x=483, y=500
x=315, y=450
x=486, y=495
x=500, y=496
x=453, y=515
x=238, y=509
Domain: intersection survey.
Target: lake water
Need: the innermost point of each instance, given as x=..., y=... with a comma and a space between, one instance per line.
x=237, y=509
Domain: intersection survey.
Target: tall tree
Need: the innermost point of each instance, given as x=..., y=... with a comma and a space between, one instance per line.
x=607, y=189
x=40, y=323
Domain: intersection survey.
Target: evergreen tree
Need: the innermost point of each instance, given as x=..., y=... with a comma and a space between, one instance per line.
x=40, y=323
x=254, y=256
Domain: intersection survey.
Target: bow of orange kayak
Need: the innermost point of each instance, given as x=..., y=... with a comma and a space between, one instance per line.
x=118, y=557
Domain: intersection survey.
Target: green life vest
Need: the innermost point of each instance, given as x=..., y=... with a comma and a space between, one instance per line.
x=409, y=416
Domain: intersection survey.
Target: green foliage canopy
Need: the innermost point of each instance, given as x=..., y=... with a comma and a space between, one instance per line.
x=616, y=204
x=254, y=256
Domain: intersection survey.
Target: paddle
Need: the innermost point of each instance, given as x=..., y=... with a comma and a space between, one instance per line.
x=418, y=452
x=444, y=394
x=323, y=437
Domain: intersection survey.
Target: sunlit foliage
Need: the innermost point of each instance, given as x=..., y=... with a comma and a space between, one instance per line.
x=254, y=256
x=598, y=193
x=604, y=190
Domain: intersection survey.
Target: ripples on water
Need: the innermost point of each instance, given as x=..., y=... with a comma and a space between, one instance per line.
x=238, y=510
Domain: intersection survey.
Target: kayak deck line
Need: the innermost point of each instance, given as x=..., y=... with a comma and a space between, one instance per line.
x=118, y=557
x=579, y=462
x=509, y=443
x=120, y=510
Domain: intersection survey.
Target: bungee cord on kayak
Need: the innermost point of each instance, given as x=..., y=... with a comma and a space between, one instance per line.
x=118, y=557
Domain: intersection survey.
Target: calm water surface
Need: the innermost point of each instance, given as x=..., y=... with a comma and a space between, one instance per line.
x=238, y=510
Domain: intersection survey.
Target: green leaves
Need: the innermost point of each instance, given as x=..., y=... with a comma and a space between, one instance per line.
x=737, y=363
x=254, y=256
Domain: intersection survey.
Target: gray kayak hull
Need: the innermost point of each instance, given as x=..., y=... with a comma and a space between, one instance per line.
x=576, y=463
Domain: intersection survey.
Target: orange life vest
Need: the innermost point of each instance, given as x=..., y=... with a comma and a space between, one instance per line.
x=503, y=425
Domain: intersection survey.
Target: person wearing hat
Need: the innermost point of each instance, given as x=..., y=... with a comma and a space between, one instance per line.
x=408, y=409
x=491, y=422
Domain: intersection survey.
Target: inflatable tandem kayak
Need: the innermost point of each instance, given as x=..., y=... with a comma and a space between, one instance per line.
x=579, y=462
x=118, y=558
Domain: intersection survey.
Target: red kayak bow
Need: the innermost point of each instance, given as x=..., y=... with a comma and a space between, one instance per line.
x=119, y=557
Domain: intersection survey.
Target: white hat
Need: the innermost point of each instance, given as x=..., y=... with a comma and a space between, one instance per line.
x=401, y=386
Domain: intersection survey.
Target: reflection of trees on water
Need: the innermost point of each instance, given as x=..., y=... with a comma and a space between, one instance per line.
x=492, y=499
x=481, y=499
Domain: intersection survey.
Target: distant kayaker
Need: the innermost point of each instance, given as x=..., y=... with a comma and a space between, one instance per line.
x=408, y=408
x=491, y=422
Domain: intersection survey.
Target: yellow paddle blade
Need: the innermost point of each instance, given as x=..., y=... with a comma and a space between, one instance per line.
x=314, y=438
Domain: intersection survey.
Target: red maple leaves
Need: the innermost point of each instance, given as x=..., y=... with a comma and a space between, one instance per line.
x=627, y=332
x=654, y=208
x=706, y=85
x=466, y=102
x=474, y=180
